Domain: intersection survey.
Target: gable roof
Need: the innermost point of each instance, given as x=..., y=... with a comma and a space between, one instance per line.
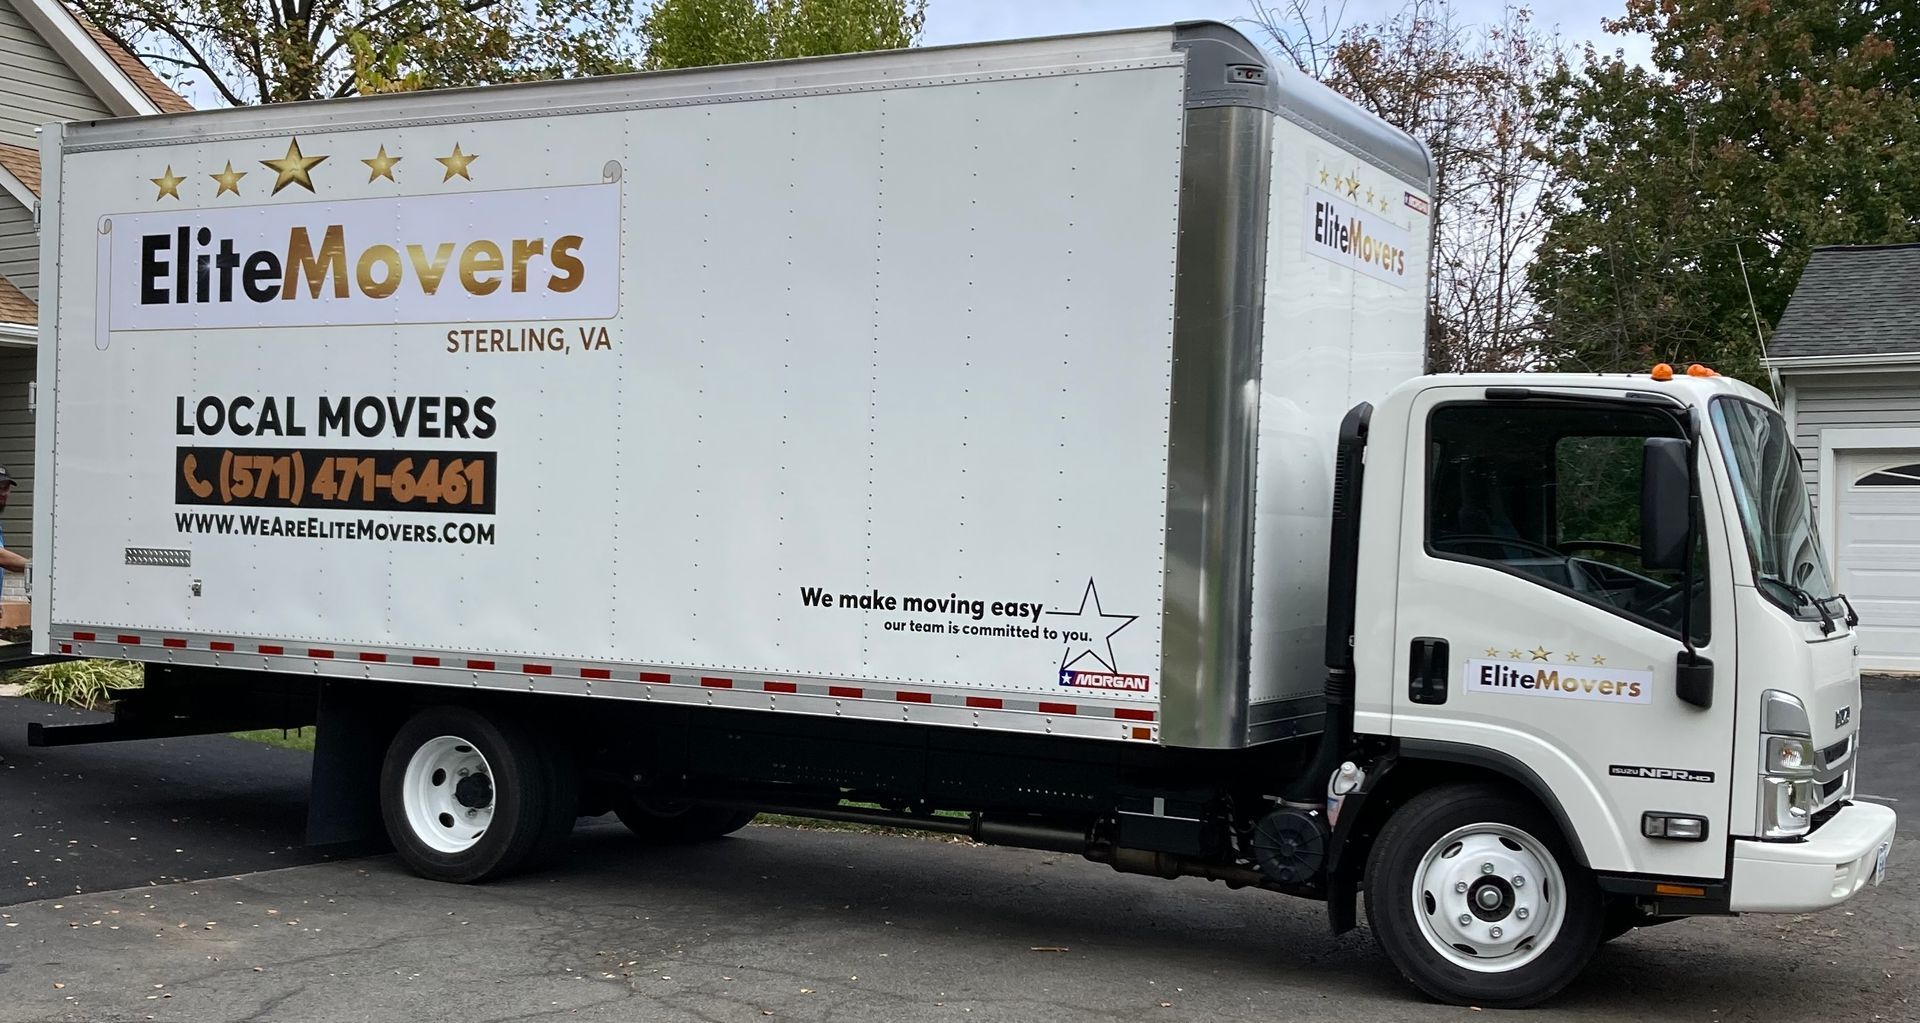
x=23, y=164
x=116, y=76
x=16, y=307
x=1852, y=300
x=143, y=78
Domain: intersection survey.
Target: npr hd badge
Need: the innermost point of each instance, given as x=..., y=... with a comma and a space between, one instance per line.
x=1541, y=677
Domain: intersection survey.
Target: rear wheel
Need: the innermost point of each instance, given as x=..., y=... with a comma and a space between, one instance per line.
x=668, y=822
x=466, y=797
x=1473, y=894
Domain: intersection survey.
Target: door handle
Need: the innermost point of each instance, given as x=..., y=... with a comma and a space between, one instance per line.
x=1427, y=677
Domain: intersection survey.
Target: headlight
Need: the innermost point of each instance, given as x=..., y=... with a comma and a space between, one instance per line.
x=1790, y=757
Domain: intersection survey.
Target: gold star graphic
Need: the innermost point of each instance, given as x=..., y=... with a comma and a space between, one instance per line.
x=295, y=168
x=457, y=163
x=1323, y=175
x=229, y=180
x=1353, y=188
x=1369, y=197
x=1597, y=659
x=1493, y=651
x=1383, y=204
x=1541, y=653
x=381, y=165
x=1573, y=658
x=169, y=184
x=1514, y=655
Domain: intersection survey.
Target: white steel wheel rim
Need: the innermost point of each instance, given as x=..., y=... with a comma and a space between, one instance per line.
x=1490, y=898
x=448, y=794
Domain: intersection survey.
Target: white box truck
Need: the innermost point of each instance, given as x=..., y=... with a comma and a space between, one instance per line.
x=1028, y=431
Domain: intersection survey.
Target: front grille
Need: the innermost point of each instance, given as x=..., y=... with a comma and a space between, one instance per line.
x=1837, y=754
x=1831, y=774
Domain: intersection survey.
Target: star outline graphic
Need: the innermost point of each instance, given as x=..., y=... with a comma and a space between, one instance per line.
x=1110, y=662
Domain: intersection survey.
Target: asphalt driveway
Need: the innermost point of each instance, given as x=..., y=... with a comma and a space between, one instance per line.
x=819, y=925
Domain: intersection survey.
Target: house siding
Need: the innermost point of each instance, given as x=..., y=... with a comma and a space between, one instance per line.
x=37, y=85
x=1892, y=399
x=19, y=248
x=16, y=447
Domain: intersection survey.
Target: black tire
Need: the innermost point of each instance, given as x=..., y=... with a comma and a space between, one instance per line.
x=523, y=792
x=1396, y=860
x=663, y=822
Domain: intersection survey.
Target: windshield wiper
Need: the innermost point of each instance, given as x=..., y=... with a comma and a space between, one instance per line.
x=1852, y=616
x=1803, y=597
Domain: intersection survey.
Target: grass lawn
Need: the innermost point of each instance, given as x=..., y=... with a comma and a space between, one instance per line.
x=292, y=738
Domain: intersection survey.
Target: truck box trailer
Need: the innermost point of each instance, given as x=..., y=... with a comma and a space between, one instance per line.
x=1029, y=431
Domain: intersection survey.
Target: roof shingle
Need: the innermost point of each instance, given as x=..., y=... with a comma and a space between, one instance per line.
x=22, y=163
x=1853, y=300
x=144, y=79
x=15, y=306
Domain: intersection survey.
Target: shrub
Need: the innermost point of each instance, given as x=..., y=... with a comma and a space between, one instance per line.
x=83, y=684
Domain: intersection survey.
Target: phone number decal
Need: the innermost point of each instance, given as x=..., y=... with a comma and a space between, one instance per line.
x=444, y=481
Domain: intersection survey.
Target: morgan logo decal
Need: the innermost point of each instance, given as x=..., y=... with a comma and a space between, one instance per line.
x=1105, y=680
x=1660, y=773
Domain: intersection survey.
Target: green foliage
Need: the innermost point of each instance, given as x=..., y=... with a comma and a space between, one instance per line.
x=1597, y=490
x=1765, y=128
x=700, y=33
x=252, y=51
x=83, y=684
x=289, y=738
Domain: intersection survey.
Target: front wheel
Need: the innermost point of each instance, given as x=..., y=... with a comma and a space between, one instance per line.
x=1473, y=894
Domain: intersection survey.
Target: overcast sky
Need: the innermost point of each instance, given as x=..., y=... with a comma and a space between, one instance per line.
x=968, y=21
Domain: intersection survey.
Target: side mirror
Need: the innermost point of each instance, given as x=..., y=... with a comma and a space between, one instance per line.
x=1666, y=503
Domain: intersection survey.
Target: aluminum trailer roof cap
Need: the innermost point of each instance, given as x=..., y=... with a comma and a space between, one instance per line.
x=1293, y=94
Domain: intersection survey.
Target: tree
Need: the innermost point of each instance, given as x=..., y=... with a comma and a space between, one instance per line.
x=1698, y=188
x=253, y=51
x=1468, y=93
x=697, y=33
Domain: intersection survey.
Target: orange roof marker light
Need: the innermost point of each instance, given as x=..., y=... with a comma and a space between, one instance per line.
x=1697, y=370
x=1662, y=372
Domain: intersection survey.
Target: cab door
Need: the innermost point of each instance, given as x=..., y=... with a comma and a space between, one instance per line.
x=1530, y=633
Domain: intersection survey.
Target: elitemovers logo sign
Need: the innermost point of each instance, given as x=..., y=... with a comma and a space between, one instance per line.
x=1356, y=238
x=1561, y=681
x=520, y=254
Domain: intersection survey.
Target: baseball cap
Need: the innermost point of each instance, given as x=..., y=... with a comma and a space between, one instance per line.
x=5, y=477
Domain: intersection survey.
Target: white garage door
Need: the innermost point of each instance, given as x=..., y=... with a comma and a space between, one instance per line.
x=1878, y=513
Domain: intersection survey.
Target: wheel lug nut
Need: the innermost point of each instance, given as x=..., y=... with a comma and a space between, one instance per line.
x=1521, y=912
x=472, y=813
x=1519, y=882
x=1495, y=933
x=1486, y=868
x=1465, y=920
x=1460, y=887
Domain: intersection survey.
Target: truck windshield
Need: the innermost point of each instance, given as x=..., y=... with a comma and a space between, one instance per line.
x=1774, y=511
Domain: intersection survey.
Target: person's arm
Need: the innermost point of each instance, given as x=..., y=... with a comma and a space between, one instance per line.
x=12, y=562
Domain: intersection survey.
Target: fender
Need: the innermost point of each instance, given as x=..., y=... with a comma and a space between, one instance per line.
x=1507, y=766
x=1345, y=858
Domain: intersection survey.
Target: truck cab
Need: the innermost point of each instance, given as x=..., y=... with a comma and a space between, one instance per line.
x=1608, y=589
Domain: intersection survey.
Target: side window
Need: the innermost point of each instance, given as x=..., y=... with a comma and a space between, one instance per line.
x=1551, y=492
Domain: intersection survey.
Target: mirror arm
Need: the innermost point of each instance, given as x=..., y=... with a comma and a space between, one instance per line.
x=1693, y=675
x=1690, y=426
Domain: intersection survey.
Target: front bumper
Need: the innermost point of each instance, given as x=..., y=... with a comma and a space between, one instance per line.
x=1829, y=867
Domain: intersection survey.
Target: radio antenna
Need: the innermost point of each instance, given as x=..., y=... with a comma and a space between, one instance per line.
x=1759, y=337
